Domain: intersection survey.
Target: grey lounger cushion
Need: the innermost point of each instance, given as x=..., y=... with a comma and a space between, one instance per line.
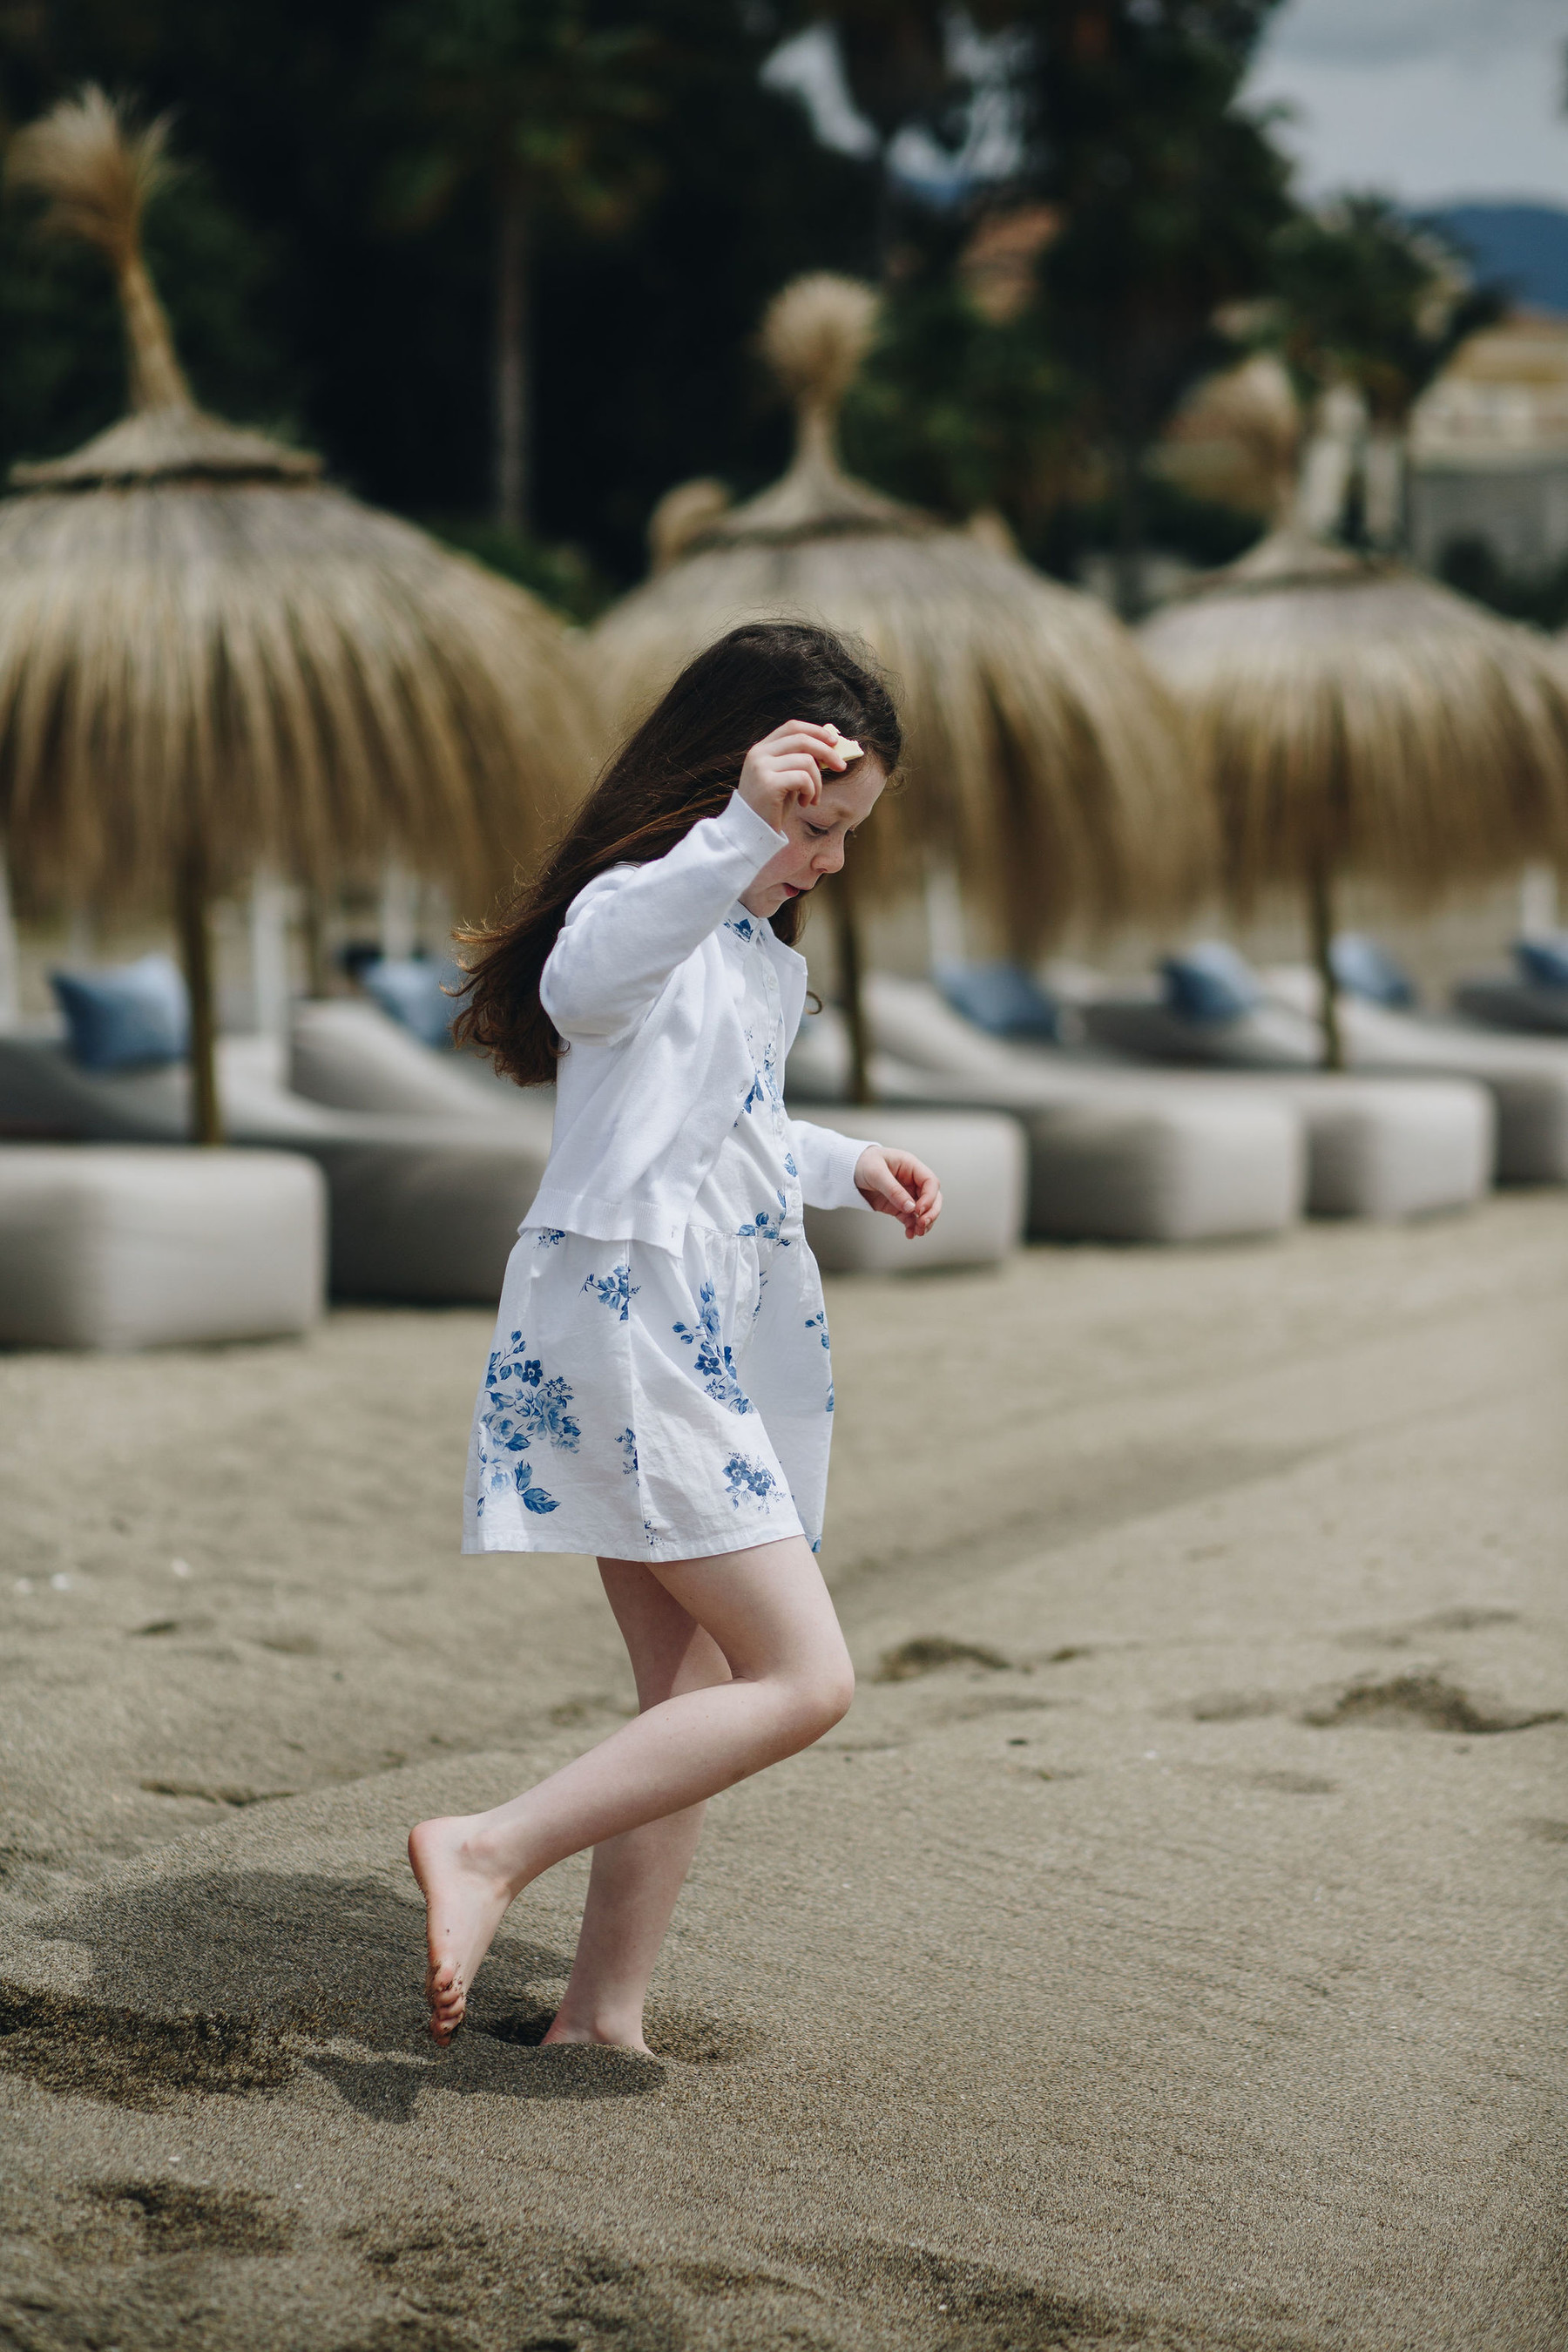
x=347, y=1055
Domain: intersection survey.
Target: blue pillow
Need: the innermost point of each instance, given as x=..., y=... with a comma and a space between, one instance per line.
x=412, y=990
x=1543, y=962
x=1362, y=968
x=1210, y=982
x=1002, y=998
x=127, y=1014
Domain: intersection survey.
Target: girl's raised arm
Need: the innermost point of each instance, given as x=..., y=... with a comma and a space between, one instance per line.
x=631, y=927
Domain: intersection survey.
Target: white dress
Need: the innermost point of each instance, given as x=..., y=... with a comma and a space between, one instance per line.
x=653, y=1403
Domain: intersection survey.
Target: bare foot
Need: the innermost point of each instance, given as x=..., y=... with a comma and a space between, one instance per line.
x=465, y=1900
x=607, y=2036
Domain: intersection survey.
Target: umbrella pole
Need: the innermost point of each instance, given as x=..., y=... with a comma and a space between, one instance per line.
x=851, y=995
x=1321, y=917
x=10, y=959
x=195, y=955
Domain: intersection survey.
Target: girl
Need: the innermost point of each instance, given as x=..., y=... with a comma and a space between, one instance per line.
x=659, y=1393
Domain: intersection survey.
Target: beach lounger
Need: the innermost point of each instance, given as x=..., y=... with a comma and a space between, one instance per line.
x=350, y=1056
x=422, y=1209
x=1378, y=1149
x=1500, y=1001
x=115, y=1245
x=1111, y=1157
x=1528, y=1082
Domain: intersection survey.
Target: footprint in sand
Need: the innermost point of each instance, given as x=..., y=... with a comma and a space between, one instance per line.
x=176, y=2217
x=71, y=2044
x=1465, y=1619
x=1229, y=1707
x=927, y=1653
x=1426, y=1699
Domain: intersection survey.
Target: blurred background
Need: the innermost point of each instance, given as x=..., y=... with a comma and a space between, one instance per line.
x=502, y=263
x=412, y=237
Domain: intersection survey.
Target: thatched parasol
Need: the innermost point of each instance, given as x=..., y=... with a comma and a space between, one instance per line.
x=211, y=660
x=1044, y=763
x=1354, y=718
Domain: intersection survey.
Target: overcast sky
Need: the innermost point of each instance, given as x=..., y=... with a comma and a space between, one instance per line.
x=1428, y=99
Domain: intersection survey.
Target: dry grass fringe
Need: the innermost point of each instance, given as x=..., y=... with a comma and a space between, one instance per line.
x=205, y=653
x=1358, y=715
x=278, y=673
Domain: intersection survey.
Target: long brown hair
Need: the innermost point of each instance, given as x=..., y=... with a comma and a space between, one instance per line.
x=681, y=764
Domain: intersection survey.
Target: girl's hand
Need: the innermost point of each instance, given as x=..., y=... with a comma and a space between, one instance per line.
x=900, y=1186
x=784, y=770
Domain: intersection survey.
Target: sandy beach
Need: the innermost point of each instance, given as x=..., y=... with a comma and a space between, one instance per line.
x=1165, y=1951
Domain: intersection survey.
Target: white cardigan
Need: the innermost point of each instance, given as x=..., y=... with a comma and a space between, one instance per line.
x=656, y=1065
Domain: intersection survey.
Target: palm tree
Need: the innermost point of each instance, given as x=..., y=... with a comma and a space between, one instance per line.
x=1367, y=299
x=539, y=103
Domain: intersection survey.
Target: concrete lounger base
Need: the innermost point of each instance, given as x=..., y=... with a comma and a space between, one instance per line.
x=980, y=1158
x=120, y=1247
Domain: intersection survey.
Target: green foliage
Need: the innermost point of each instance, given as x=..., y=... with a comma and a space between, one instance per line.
x=1201, y=529
x=1167, y=194
x=953, y=413
x=1170, y=192
x=64, y=377
x=536, y=93
x=559, y=573
x=373, y=333
x=1470, y=566
x=1363, y=296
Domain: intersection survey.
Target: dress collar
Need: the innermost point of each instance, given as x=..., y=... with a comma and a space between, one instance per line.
x=746, y=926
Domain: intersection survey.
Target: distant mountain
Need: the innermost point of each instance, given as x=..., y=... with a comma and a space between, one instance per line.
x=1521, y=247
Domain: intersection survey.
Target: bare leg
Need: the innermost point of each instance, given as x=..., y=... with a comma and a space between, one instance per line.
x=636, y=1877
x=768, y=1612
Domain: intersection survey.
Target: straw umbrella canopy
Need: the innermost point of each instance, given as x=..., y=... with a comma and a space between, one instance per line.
x=212, y=660
x=1354, y=718
x=1044, y=763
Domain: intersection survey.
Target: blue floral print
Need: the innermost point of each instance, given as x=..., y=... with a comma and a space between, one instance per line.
x=521, y=1407
x=548, y=1236
x=790, y=1167
x=818, y=1323
x=615, y=1289
x=767, y=1224
x=741, y=925
x=744, y=1476
x=628, y=1444
x=521, y=1401
x=534, y=1498
x=764, y=1072
x=715, y=1363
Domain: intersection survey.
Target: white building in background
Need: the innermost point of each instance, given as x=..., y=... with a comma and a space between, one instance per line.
x=1489, y=448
